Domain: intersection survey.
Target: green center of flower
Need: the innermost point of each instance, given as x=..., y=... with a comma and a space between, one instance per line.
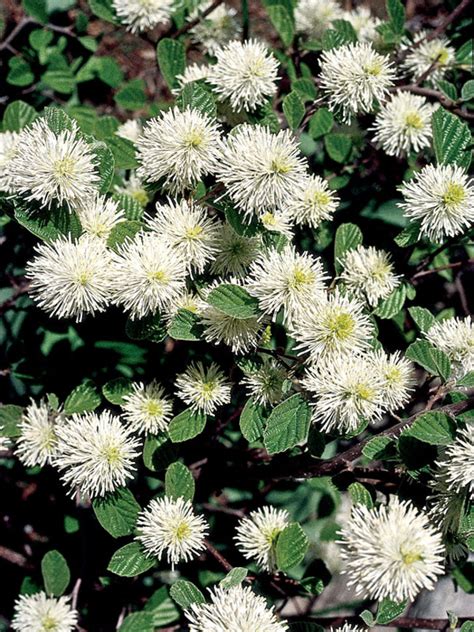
x=269, y=219
x=393, y=375
x=362, y=391
x=194, y=139
x=182, y=531
x=373, y=69
x=280, y=166
x=340, y=325
x=256, y=69
x=153, y=408
x=321, y=198
x=207, y=389
x=194, y=233
x=271, y=536
x=455, y=195
x=141, y=196
x=158, y=275
x=300, y=278
x=441, y=56
x=379, y=271
x=49, y=624
x=414, y=120
x=64, y=169
x=83, y=278
x=48, y=440
x=410, y=557
x=111, y=454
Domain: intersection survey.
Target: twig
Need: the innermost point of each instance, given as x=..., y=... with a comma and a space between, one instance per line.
x=410, y=623
x=19, y=27
x=18, y=291
x=445, y=23
x=75, y=593
x=13, y=557
x=448, y=266
x=445, y=101
x=218, y=556
x=192, y=23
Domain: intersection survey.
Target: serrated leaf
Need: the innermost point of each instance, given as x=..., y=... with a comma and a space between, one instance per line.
x=123, y=151
x=451, y=138
x=348, y=237
x=195, y=96
x=252, y=421
x=396, y=13
x=389, y=610
x=376, y=448
x=105, y=164
x=148, y=328
x=115, y=390
x=338, y=146
x=287, y=425
x=18, y=115
x=431, y=359
x=61, y=80
x=435, y=428
x=283, y=23
x=360, y=495
x=138, y=622
x=185, y=593
x=185, y=325
x=83, y=399
x=390, y=306
x=305, y=88
x=117, y=513
x=321, y=123
x=186, y=425
x=10, y=418
x=162, y=608
x=57, y=223
x=171, y=60
x=56, y=574
x=467, y=381
x=132, y=208
x=130, y=561
x=103, y=9
x=293, y=109
x=179, y=482
x=121, y=232
x=291, y=547
x=409, y=235
x=467, y=92
x=36, y=9
x=158, y=452
x=423, y=318
x=131, y=95
x=234, y=577
x=234, y=301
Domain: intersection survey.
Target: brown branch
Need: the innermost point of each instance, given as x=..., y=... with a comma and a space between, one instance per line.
x=445, y=101
x=448, y=266
x=218, y=556
x=19, y=27
x=446, y=22
x=411, y=623
x=14, y=558
x=192, y=23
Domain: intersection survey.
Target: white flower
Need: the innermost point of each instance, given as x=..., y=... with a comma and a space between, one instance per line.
x=99, y=215
x=397, y=378
x=420, y=58
x=391, y=551
x=261, y=170
x=404, y=124
x=234, y=252
x=313, y=202
x=314, y=17
x=240, y=334
x=368, y=274
x=245, y=74
x=8, y=149
x=363, y=23
x=170, y=526
x=194, y=72
x=205, y=389
x=442, y=199
x=278, y=222
x=53, y=167
x=348, y=391
x=286, y=280
x=147, y=409
x=237, y=609
x=96, y=453
x=257, y=534
x=148, y=275
x=130, y=130
x=143, y=15
x=216, y=29
x=133, y=187
x=455, y=336
x=347, y=628
x=37, y=443
x=188, y=230
x=70, y=279
x=187, y=300
x=354, y=78
x=332, y=326
x=181, y=147
x=40, y=613
x=266, y=384
x=458, y=461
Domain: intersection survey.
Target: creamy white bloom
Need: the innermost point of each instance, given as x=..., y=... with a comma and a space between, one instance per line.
x=148, y=275
x=314, y=17
x=147, y=409
x=237, y=609
x=70, y=279
x=240, y=334
x=455, y=336
x=216, y=29
x=130, y=130
x=278, y=222
x=234, y=253
x=53, y=167
x=99, y=215
x=368, y=274
x=133, y=186
x=37, y=443
x=194, y=72
x=313, y=202
x=441, y=198
x=420, y=58
x=347, y=390
x=397, y=375
x=181, y=147
x=8, y=148
x=347, y=628
x=245, y=74
x=169, y=526
x=187, y=300
x=458, y=461
x=363, y=23
x=355, y=77
x=203, y=388
x=391, y=551
x=266, y=383
x=286, y=280
x=257, y=534
x=189, y=231
x=143, y=15
x=404, y=124
x=96, y=453
x=261, y=170
x=332, y=325
x=40, y=613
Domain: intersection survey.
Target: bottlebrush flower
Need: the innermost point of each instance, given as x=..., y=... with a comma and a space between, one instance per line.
x=313, y=202
x=37, y=442
x=234, y=253
x=397, y=377
x=265, y=384
x=314, y=17
x=8, y=148
x=216, y=29
x=455, y=336
x=205, y=389
x=147, y=409
x=99, y=215
x=257, y=534
x=420, y=58
x=40, y=613
x=143, y=15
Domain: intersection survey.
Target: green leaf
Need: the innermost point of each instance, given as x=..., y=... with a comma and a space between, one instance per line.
x=20, y=73
x=341, y=34
x=197, y=97
x=234, y=577
x=282, y=22
x=130, y=561
x=103, y=9
x=131, y=95
x=171, y=60
x=50, y=226
x=105, y=164
x=132, y=208
x=467, y=381
x=123, y=151
x=396, y=13
x=186, y=425
x=389, y=610
x=467, y=92
x=138, y=622
x=179, y=482
x=338, y=146
x=409, y=235
x=10, y=418
x=83, y=399
x=287, y=425
x=431, y=359
x=185, y=326
x=423, y=318
x=115, y=390
x=376, y=448
x=162, y=608
x=348, y=237
x=321, y=123
x=305, y=88
x=434, y=427
x=56, y=574
x=448, y=88
x=293, y=109
x=148, y=328
x=360, y=495
x=252, y=421
x=58, y=120
x=36, y=9
x=18, y=115
x=121, y=232
x=451, y=138
x=40, y=38
x=234, y=301
x=291, y=547
x=158, y=452
x=467, y=626
x=117, y=513
x=185, y=593
x=61, y=81
x=390, y=306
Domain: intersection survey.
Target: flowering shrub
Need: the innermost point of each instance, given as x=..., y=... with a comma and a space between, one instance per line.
x=238, y=358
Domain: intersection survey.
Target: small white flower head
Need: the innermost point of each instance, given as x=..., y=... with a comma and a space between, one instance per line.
x=332, y=326
x=266, y=383
x=458, y=462
x=347, y=391
x=215, y=29
x=143, y=15
x=96, y=453
x=170, y=527
x=347, y=628
x=391, y=551
x=442, y=199
x=354, y=78
x=240, y=334
x=99, y=215
x=261, y=170
x=133, y=187
x=130, y=130
x=368, y=274
x=313, y=202
x=278, y=222
x=257, y=534
x=37, y=443
x=187, y=300
x=148, y=275
x=234, y=253
x=286, y=280
x=203, y=388
x=188, y=230
x=147, y=410
x=8, y=149
x=314, y=17
x=70, y=279
x=40, y=613
x=397, y=376
x=363, y=23
x=404, y=124
x=181, y=147
x=53, y=167
x=194, y=72
x=455, y=336
x=245, y=74
x=420, y=58
x=237, y=609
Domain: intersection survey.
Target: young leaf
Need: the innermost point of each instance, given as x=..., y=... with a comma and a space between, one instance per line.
x=18, y=115
x=56, y=574
x=389, y=610
x=117, y=513
x=185, y=593
x=283, y=23
x=396, y=13
x=115, y=390
x=179, y=482
x=423, y=318
x=293, y=109
x=321, y=123
x=360, y=495
x=288, y=425
x=291, y=547
x=389, y=307
x=234, y=577
x=10, y=418
x=338, y=146
x=197, y=97
x=185, y=326
x=130, y=561
x=451, y=138
x=138, y=622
